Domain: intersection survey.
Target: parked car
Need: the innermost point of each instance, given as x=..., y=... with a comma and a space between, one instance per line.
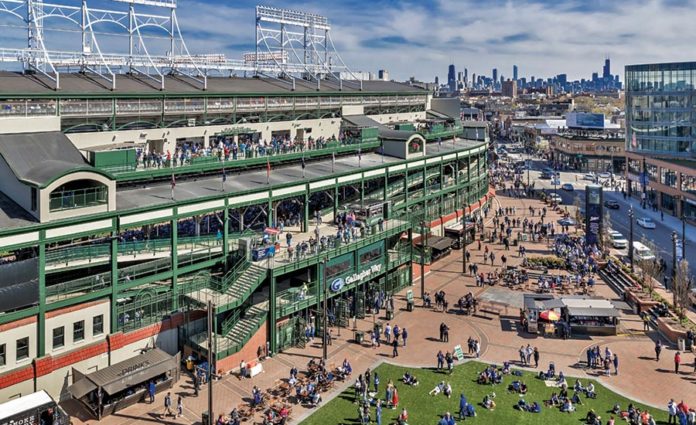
x=567, y=221
x=611, y=204
x=618, y=240
x=567, y=186
x=646, y=223
x=604, y=175
x=554, y=197
x=590, y=177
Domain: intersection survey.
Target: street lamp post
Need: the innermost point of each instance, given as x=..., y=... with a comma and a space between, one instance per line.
x=683, y=220
x=422, y=260
x=674, y=257
x=325, y=332
x=464, y=239
x=630, y=237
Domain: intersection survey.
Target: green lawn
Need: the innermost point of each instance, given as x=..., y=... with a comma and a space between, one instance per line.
x=425, y=409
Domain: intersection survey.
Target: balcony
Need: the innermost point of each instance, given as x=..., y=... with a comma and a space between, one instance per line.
x=78, y=198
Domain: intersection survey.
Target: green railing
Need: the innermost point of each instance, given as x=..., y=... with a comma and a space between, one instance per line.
x=234, y=348
x=230, y=321
x=441, y=131
x=78, y=198
x=137, y=171
x=294, y=299
x=85, y=285
x=143, y=310
x=397, y=257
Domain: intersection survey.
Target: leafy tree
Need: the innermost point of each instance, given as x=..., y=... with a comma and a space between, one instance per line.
x=650, y=269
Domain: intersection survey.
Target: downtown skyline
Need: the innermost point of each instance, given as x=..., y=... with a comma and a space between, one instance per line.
x=542, y=37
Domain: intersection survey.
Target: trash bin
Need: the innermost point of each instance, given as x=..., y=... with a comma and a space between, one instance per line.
x=681, y=343
x=205, y=419
x=409, y=305
x=390, y=314
x=359, y=337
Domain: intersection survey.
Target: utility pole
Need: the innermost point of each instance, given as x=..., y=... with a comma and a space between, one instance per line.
x=324, y=326
x=464, y=232
x=211, y=356
x=674, y=258
x=422, y=260
x=630, y=237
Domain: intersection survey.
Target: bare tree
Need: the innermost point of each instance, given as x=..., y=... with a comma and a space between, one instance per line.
x=650, y=269
x=680, y=288
x=578, y=216
x=605, y=237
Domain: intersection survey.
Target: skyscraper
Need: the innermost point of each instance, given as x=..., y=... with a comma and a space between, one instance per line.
x=514, y=72
x=606, y=71
x=466, y=75
x=495, y=75
x=452, y=79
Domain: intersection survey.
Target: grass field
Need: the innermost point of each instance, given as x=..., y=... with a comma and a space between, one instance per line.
x=425, y=409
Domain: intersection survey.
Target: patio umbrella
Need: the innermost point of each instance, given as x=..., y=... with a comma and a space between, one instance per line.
x=549, y=315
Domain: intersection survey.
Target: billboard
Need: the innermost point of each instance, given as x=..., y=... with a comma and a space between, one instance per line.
x=593, y=214
x=585, y=120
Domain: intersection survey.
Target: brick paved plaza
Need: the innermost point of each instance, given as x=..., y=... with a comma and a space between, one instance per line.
x=641, y=378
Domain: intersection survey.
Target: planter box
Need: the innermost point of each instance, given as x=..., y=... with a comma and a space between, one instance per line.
x=641, y=301
x=671, y=330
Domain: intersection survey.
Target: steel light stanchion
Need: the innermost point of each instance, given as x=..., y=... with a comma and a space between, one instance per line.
x=630, y=237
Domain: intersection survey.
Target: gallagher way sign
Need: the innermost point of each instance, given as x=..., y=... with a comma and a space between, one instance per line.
x=338, y=283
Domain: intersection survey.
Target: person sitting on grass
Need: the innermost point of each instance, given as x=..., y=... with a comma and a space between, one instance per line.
x=409, y=379
x=563, y=394
x=554, y=400
x=518, y=387
x=438, y=388
x=576, y=398
x=535, y=408
x=521, y=405
x=403, y=417
x=561, y=379
x=488, y=402
x=592, y=418
x=448, y=390
x=506, y=368
x=590, y=391
x=447, y=419
x=578, y=386
x=568, y=406
x=616, y=409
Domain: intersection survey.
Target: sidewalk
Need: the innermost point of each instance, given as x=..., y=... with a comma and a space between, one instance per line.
x=670, y=221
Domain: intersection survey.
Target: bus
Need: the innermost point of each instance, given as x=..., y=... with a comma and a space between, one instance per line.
x=33, y=409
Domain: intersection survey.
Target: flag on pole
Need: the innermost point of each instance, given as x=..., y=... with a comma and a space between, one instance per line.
x=333, y=161
x=268, y=171
x=173, y=185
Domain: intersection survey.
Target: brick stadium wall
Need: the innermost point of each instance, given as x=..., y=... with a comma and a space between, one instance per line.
x=247, y=354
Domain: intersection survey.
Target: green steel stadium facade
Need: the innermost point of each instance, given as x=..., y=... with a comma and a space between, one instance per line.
x=124, y=212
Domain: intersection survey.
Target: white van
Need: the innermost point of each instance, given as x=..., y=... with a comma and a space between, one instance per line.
x=642, y=252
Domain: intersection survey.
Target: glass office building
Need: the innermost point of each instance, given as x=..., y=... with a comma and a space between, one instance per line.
x=661, y=135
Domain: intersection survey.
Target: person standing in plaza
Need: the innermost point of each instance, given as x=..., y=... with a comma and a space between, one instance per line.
x=658, y=350
x=672, y=412
x=616, y=364
x=440, y=360
x=180, y=407
x=387, y=333
x=536, y=357
x=151, y=390
x=167, y=405
x=395, y=348
x=677, y=362
x=404, y=335
x=523, y=356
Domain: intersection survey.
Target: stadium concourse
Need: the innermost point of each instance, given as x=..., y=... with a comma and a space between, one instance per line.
x=495, y=325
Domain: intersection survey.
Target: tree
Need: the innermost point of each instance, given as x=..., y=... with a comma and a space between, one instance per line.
x=650, y=269
x=680, y=288
x=605, y=236
x=578, y=216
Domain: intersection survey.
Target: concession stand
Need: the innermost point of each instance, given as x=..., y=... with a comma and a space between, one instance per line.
x=123, y=384
x=30, y=409
x=439, y=246
x=544, y=314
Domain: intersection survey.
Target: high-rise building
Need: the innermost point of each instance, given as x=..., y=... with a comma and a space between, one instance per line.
x=466, y=75
x=437, y=80
x=606, y=71
x=514, y=72
x=495, y=75
x=452, y=79
x=510, y=88
x=383, y=75
x=661, y=155
x=460, y=76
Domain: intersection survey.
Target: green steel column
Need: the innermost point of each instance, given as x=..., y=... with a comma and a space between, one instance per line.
x=114, y=276
x=385, y=194
x=307, y=212
x=406, y=190
x=226, y=235
x=335, y=201
x=175, y=260
x=270, y=212
x=362, y=192
x=41, y=328
x=272, y=334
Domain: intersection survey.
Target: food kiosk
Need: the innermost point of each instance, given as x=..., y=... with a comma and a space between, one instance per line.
x=35, y=408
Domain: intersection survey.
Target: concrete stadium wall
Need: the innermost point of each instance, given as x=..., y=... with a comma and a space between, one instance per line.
x=29, y=124
x=14, y=189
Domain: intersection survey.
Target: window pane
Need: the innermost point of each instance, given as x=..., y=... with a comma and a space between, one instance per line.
x=58, y=337
x=22, y=348
x=2, y=355
x=79, y=331
x=98, y=324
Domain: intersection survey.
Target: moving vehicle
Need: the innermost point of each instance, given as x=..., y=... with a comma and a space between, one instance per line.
x=566, y=221
x=555, y=181
x=611, y=204
x=554, y=197
x=618, y=240
x=646, y=223
x=604, y=175
x=567, y=186
x=546, y=175
x=589, y=176
x=642, y=252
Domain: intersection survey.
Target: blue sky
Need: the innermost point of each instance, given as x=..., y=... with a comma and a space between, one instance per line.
x=420, y=38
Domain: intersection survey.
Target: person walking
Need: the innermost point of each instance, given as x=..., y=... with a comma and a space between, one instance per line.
x=378, y=412
x=536, y=357
x=477, y=347
x=180, y=407
x=672, y=412
x=376, y=382
x=404, y=335
x=387, y=333
x=440, y=360
x=167, y=405
x=523, y=357
x=616, y=364
x=677, y=362
x=395, y=348
x=658, y=350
